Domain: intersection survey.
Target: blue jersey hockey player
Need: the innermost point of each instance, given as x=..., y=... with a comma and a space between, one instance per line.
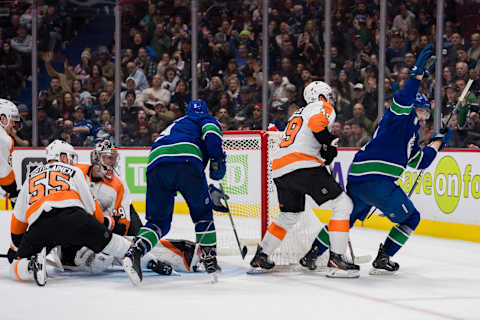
x=177, y=162
x=376, y=167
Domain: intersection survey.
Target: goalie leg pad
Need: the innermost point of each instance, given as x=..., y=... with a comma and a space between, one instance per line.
x=117, y=247
x=19, y=270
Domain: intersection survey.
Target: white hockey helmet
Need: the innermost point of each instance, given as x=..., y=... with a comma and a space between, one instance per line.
x=59, y=147
x=10, y=110
x=317, y=89
x=105, y=155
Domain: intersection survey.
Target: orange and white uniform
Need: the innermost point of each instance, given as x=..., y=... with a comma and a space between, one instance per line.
x=111, y=197
x=299, y=148
x=54, y=185
x=7, y=176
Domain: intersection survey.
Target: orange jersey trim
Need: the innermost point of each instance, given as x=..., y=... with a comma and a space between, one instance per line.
x=116, y=185
x=338, y=226
x=277, y=231
x=291, y=158
x=53, y=197
x=17, y=227
x=8, y=180
x=98, y=213
x=318, y=122
x=15, y=269
x=167, y=244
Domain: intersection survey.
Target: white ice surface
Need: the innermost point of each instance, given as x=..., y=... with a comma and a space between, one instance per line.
x=438, y=279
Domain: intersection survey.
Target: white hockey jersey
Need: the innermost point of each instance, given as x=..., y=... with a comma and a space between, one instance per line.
x=299, y=148
x=7, y=176
x=111, y=196
x=54, y=185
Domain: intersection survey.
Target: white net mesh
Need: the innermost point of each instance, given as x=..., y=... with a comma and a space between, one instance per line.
x=243, y=183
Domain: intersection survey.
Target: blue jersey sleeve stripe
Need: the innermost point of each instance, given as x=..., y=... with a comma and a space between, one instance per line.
x=399, y=109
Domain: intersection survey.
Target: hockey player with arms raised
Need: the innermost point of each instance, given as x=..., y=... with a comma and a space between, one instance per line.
x=298, y=170
x=176, y=163
x=9, y=119
x=376, y=167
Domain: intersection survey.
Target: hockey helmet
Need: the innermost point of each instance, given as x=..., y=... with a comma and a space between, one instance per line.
x=105, y=155
x=421, y=102
x=197, y=106
x=317, y=89
x=59, y=147
x=10, y=110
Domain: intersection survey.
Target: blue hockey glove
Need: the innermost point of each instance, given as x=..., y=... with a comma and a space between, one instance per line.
x=217, y=196
x=444, y=135
x=419, y=67
x=217, y=168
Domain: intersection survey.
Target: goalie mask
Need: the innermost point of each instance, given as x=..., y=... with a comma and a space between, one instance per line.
x=58, y=147
x=105, y=156
x=10, y=111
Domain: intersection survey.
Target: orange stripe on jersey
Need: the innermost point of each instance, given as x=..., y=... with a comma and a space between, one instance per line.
x=98, y=213
x=7, y=180
x=318, y=122
x=17, y=227
x=277, y=231
x=338, y=226
x=291, y=158
x=116, y=185
x=53, y=197
x=167, y=244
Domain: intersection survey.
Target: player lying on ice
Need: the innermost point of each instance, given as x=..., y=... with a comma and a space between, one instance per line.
x=378, y=164
x=112, y=202
x=298, y=171
x=177, y=162
x=55, y=208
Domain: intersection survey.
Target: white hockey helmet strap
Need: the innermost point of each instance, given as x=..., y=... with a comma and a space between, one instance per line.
x=316, y=89
x=10, y=110
x=58, y=147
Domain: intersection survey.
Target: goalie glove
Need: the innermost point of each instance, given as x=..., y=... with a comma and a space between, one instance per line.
x=217, y=196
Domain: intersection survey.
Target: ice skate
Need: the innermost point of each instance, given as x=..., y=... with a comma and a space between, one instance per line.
x=131, y=264
x=38, y=267
x=382, y=264
x=310, y=259
x=261, y=263
x=338, y=267
x=209, y=260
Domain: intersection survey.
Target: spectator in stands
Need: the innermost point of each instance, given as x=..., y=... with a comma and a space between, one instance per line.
x=77, y=90
x=160, y=42
x=67, y=134
x=212, y=93
x=23, y=135
x=105, y=129
x=456, y=44
x=141, y=82
x=233, y=89
x=359, y=116
x=395, y=53
x=347, y=139
x=22, y=43
x=223, y=116
x=84, y=68
x=81, y=125
x=103, y=103
x=404, y=20
x=164, y=63
x=447, y=76
x=170, y=79
x=150, y=96
x=181, y=96
x=359, y=133
x=344, y=85
x=461, y=71
x=10, y=71
x=161, y=118
x=255, y=120
x=54, y=25
x=45, y=126
x=474, y=50
x=279, y=117
x=103, y=60
x=145, y=63
x=55, y=93
x=371, y=97
x=277, y=88
x=95, y=81
x=66, y=78
x=337, y=128
x=11, y=30
x=68, y=106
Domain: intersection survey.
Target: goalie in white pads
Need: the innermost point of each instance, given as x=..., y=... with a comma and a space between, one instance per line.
x=9, y=119
x=298, y=170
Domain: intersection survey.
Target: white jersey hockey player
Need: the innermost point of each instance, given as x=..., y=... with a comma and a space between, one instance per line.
x=298, y=169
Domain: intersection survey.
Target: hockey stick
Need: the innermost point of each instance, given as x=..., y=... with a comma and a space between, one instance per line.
x=3, y=255
x=244, y=250
x=460, y=100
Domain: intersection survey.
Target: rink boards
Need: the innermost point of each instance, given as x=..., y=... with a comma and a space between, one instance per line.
x=447, y=194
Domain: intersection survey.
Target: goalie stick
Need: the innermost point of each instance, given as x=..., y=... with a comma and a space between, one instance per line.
x=460, y=100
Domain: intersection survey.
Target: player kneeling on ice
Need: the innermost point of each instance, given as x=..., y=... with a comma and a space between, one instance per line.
x=176, y=163
x=9, y=121
x=113, y=207
x=298, y=171
x=378, y=164
x=55, y=208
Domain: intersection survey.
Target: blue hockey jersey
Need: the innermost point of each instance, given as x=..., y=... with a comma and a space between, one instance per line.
x=194, y=138
x=395, y=143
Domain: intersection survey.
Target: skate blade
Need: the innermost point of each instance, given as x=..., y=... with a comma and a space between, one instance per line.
x=40, y=276
x=130, y=271
x=339, y=273
x=381, y=272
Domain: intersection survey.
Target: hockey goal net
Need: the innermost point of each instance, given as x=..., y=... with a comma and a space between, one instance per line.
x=253, y=199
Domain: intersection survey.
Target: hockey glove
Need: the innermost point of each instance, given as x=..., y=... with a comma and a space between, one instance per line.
x=217, y=195
x=218, y=168
x=11, y=255
x=328, y=153
x=444, y=135
x=419, y=67
x=119, y=228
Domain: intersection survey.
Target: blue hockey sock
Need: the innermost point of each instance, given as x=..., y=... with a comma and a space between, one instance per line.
x=206, y=233
x=400, y=233
x=322, y=240
x=149, y=236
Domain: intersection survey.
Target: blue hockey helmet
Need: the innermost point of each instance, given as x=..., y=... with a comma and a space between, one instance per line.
x=421, y=101
x=196, y=106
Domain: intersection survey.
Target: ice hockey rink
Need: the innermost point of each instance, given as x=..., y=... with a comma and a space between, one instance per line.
x=438, y=279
